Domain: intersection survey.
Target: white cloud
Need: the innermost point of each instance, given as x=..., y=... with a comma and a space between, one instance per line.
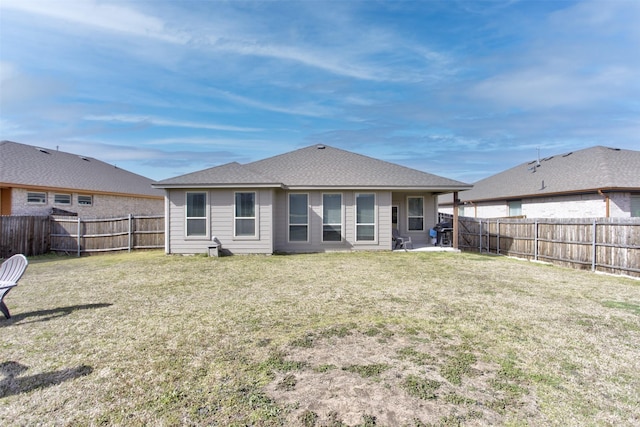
x=19, y=88
x=309, y=109
x=582, y=57
x=156, y=121
x=101, y=15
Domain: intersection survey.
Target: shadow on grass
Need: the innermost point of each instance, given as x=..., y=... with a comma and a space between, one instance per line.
x=47, y=315
x=13, y=383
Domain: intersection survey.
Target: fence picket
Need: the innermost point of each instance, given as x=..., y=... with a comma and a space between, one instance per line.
x=38, y=235
x=604, y=244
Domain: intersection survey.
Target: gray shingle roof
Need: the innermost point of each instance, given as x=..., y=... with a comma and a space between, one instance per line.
x=591, y=169
x=318, y=166
x=227, y=175
x=26, y=165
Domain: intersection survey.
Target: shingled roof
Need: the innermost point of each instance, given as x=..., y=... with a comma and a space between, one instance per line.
x=588, y=170
x=317, y=166
x=34, y=167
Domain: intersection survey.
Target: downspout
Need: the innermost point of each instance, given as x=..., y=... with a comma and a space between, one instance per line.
x=607, y=200
x=167, y=222
x=455, y=219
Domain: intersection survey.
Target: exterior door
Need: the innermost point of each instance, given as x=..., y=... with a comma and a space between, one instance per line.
x=394, y=217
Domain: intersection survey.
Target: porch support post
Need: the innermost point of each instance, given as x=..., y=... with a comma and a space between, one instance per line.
x=455, y=219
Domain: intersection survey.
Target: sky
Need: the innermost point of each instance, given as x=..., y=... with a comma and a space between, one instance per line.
x=461, y=89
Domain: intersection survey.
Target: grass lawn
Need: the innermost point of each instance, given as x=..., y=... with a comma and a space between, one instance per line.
x=393, y=339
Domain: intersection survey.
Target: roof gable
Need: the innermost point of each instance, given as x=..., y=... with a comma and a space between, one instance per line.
x=27, y=165
x=591, y=169
x=318, y=166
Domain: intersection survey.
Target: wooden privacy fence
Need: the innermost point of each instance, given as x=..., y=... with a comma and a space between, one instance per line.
x=77, y=235
x=36, y=235
x=28, y=235
x=610, y=245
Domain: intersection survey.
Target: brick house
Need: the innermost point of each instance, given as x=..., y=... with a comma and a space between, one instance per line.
x=597, y=182
x=38, y=181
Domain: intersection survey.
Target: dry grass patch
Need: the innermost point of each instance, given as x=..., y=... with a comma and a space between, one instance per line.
x=328, y=339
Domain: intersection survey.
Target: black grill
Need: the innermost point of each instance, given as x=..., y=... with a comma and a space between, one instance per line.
x=444, y=232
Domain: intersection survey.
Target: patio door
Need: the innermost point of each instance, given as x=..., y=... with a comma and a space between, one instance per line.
x=394, y=217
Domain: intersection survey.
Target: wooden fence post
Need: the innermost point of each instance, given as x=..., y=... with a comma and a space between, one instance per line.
x=498, y=236
x=535, y=240
x=130, y=231
x=79, y=228
x=594, y=249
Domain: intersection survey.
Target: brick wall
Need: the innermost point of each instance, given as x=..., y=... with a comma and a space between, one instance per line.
x=571, y=206
x=103, y=206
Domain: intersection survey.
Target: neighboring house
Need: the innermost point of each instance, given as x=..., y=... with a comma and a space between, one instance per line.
x=592, y=183
x=38, y=181
x=314, y=199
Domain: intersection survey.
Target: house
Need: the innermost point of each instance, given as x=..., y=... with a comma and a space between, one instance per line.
x=591, y=183
x=314, y=199
x=38, y=181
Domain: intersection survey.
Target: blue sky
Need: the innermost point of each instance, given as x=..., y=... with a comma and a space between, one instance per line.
x=455, y=88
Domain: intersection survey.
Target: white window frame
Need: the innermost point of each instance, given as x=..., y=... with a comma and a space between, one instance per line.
x=290, y=224
x=511, y=206
x=205, y=218
x=341, y=223
x=42, y=198
x=254, y=217
x=409, y=216
x=85, y=200
x=56, y=199
x=375, y=218
x=634, y=206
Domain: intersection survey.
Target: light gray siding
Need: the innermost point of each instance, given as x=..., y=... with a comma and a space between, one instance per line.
x=220, y=209
x=315, y=243
x=273, y=219
x=420, y=238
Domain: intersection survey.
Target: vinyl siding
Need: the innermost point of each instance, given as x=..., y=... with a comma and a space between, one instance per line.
x=419, y=238
x=273, y=214
x=315, y=243
x=221, y=223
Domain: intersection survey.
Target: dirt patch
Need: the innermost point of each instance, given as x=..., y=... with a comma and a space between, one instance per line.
x=355, y=378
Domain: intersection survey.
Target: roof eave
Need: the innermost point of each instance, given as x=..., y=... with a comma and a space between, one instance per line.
x=557, y=193
x=231, y=185
x=78, y=190
x=439, y=189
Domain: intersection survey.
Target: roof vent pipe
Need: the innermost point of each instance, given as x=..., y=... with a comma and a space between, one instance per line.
x=320, y=147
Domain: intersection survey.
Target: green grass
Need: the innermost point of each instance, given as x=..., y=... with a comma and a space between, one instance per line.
x=340, y=339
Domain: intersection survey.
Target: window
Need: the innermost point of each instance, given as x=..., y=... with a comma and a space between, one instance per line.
x=62, y=199
x=635, y=205
x=515, y=208
x=245, y=214
x=332, y=217
x=298, y=217
x=37, y=198
x=196, y=214
x=85, y=200
x=365, y=217
x=415, y=213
